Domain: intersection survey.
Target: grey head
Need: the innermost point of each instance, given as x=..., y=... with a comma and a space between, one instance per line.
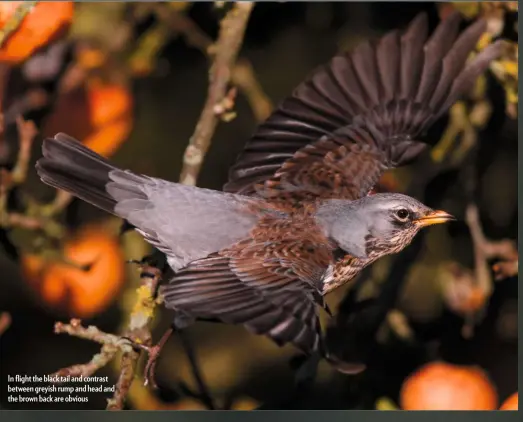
x=376, y=225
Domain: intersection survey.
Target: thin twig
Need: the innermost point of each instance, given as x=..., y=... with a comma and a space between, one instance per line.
x=243, y=75
x=26, y=133
x=227, y=47
x=98, y=361
x=481, y=267
x=57, y=205
x=486, y=249
x=76, y=329
x=15, y=20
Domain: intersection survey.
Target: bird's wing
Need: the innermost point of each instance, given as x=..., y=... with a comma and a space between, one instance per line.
x=209, y=288
x=361, y=112
x=271, y=283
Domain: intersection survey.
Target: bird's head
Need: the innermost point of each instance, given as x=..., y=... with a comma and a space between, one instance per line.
x=377, y=225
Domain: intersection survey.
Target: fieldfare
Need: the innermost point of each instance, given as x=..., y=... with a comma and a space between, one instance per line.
x=295, y=221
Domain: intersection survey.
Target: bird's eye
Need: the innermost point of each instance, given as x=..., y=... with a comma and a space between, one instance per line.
x=402, y=214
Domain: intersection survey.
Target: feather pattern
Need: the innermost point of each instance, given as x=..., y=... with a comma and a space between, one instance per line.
x=392, y=89
x=209, y=288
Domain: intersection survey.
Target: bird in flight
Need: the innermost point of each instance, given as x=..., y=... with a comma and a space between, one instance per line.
x=295, y=220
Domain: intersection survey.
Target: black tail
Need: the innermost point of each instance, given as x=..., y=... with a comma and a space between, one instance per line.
x=68, y=165
x=401, y=84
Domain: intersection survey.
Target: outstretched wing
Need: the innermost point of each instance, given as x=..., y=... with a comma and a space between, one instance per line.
x=359, y=114
x=270, y=283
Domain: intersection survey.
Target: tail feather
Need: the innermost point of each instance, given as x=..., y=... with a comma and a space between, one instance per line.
x=70, y=166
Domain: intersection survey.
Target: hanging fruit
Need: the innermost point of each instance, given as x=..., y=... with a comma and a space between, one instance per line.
x=443, y=386
x=511, y=403
x=43, y=23
x=89, y=279
x=98, y=114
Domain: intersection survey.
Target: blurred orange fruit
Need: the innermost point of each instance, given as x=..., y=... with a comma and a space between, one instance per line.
x=443, y=386
x=99, y=114
x=44, y=23
x=511, y=403
x=245, y=403
x=107, y=103
x=69, y=288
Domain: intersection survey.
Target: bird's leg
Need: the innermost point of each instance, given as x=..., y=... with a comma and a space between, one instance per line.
x=153, y=353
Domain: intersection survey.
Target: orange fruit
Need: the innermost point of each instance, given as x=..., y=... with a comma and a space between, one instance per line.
x=443, y=386
x=43, y=24
x=99, y=115
x=68, y=288
x=245, y=403
x=511, y=403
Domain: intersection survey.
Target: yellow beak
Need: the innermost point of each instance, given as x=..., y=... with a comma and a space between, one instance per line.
x=434, y=217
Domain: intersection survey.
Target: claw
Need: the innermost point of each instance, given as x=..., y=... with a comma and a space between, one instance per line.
x=153, y=355
x=150, y=366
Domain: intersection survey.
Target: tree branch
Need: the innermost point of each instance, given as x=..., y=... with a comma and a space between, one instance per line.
x=243, y=75
x=225, y=52
x=137, y=331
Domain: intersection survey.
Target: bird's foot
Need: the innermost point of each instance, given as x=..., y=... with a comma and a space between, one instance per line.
x=153, y=353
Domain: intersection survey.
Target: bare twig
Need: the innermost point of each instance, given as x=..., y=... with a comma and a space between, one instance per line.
x=15, y=20
x=149, y=45
x=26, y=133
x=76, y=329
x=482, y=270
x=98, y=361
x=137, y=331
x=182, y=24
x=226, y=50
x=486, y=249
x=466, y=292
x=243, y=75
x=39, y=218
x=57, y=205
